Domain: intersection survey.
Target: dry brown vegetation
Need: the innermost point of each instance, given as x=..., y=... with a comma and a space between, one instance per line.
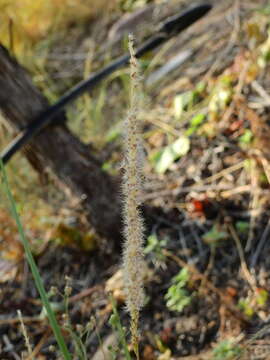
x=206, y=141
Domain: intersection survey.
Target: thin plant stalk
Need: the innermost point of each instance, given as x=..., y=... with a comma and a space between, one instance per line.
x=25, y=335
x=38, y=281
x=116, y=323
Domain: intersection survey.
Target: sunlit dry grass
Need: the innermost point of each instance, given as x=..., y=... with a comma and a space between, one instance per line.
x=27, y=20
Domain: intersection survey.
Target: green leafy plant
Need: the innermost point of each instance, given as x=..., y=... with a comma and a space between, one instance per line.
x=249, y=306
x=79, y=337
x=246, y=307
x=115, y=323
x=221, y=95
x=226, y=350
x=215, y=235
x=261, y=297
x=154, y=248
x=177, y=296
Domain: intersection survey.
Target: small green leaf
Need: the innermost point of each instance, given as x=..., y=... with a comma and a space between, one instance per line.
x=170, y=153
x=242, y=227
x=152, y=243
x=215, y=235
x=262, y=297
x=180, y=103
x=155, y=157
x=177, y=296
x=181, y=278
x=113, y=135
x=245, y=307
x=184, y=101
x=246, y=138
x=201, y=87
x=113, y=321
x=154, y=247
x=195, y=122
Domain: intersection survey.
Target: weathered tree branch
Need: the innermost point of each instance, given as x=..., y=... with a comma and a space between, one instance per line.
x=55, y=147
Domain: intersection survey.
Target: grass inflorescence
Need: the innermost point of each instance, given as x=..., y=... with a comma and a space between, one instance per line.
x=133, y=247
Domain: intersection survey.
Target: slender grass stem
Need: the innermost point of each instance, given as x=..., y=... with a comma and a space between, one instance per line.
x=38, y=281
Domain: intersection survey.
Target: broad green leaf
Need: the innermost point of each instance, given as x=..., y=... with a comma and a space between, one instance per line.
x=170, y=153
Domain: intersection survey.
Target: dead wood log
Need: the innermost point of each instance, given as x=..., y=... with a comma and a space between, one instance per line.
x=57, y=148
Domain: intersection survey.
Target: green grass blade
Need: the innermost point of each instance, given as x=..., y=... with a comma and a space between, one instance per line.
x=118, y=326
x=38, y=281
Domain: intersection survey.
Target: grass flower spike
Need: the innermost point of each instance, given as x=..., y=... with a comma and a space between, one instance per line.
x=133, y=263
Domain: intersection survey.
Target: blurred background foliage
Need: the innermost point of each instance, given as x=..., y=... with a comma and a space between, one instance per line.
x=24, y=22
